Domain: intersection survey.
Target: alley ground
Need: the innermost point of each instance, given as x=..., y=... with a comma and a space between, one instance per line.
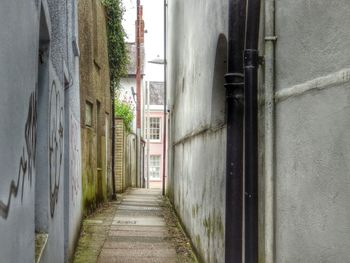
x=140, y=227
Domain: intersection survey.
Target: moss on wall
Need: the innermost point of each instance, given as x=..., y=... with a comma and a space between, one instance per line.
x=95, y=89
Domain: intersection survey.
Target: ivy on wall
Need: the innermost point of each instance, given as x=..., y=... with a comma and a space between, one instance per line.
x=118, y=57
x=117, y=50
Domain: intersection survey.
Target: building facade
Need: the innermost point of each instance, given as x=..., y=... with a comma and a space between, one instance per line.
x=127, y=93
x=154, y=134
x=95, y=101
x=40, y=191
x=303, y=140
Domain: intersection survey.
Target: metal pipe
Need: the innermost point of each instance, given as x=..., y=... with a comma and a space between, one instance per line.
x=114, y=196
x=148, y=132
x=251, y=59
x=138, y=65
x=138, y=95
x=234, y=150
x=270, y=39
x=165, y=102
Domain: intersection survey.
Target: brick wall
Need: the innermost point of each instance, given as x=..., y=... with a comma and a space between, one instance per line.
x=120, y=135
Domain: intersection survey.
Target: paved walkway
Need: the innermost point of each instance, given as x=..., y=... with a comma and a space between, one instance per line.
x=140, y=228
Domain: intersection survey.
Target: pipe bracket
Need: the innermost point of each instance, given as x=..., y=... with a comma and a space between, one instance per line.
x=261, y=60
x=234, y=86
x=271, y=38
x=234, y=79
x=251, y=58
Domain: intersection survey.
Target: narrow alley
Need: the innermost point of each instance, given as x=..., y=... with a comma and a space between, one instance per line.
x=212, y=131
x=142, y=227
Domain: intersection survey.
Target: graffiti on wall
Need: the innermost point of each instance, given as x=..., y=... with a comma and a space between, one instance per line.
x=27, y=160
x=74, y=157
x=55, y=145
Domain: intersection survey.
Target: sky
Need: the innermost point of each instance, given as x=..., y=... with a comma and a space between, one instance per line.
x=154, y=38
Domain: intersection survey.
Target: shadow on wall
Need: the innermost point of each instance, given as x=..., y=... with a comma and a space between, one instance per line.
x=218, y=99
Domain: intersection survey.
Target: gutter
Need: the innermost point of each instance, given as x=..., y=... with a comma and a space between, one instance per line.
x=251, y=64
x=234, y=149
x=165, y=101
x=242, y=108
x=269, y=195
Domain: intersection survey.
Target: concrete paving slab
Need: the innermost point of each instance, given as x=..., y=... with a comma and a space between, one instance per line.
x=137, y=233
x=141, y=203
x=138, y=245
x=139, y=208
x=138, y=221
x=144, y=192
x=141, y=198
x=139, y=252
x=139, y=239
x=108, y=259
x=138, y=228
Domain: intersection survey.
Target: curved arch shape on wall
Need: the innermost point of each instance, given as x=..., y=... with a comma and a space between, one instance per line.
x=218, y=96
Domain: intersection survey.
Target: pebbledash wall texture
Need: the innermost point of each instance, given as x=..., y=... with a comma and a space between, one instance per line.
x=305, y=189
x=312, y=141
x=40, y=189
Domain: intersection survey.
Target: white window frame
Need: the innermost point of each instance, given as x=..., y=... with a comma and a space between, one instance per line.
x=149, y=134
x=155, y=167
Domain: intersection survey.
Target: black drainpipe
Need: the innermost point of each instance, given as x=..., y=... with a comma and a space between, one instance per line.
x=251, y=61
x=234, y=150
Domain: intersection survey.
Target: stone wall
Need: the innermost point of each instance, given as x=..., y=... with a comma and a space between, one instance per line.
x=95, y=100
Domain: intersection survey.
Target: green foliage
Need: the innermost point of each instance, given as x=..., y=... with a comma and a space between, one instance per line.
x=118, y=57
x=117, y=50
x=124, y=110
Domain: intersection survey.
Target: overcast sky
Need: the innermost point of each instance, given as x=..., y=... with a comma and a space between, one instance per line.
x=154, y=25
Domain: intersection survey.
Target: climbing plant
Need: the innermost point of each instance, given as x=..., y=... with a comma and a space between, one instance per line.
x=118, y=57
x=125, y=111
x=117, y=50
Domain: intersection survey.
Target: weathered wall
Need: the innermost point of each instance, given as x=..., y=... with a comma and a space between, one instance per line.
x=197, y=135
x=312, y=131
x=18, y=111
x=73, y=184
x=35, y=69
x=94, y=89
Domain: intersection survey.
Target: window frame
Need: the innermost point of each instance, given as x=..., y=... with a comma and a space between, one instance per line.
x=148, y=129
x=89, y=104
x=151, y=165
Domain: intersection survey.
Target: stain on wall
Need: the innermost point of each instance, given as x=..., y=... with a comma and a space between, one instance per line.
x=95, y=93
